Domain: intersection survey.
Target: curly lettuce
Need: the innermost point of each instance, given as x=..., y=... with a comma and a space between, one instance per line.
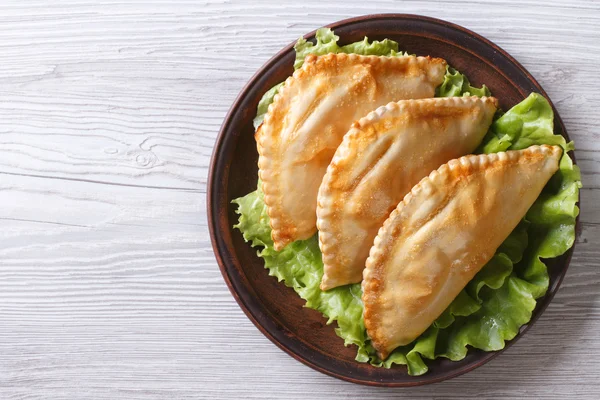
x=327, y=42
x=500, y=298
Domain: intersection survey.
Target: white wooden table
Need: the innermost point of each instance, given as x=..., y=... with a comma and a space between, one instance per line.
x=108, y=113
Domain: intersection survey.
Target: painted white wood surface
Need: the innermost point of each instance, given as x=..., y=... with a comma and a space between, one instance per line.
x=108, y=114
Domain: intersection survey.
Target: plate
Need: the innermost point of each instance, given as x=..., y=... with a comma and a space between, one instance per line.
x=276, y=310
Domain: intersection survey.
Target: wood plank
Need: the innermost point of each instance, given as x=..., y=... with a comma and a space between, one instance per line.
x=108, y=284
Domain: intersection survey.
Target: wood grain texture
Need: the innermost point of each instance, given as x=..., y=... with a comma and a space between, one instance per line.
x=108, y=113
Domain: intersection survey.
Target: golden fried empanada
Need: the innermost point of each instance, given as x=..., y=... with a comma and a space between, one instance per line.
x=309, y=117
x=380, y=159
x=443, y=232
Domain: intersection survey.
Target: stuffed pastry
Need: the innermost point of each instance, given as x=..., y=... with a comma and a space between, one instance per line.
x=443, y=232
x=380, y=159
x=309, y=117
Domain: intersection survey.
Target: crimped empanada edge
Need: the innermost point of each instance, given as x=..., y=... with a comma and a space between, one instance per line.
x=453, y=170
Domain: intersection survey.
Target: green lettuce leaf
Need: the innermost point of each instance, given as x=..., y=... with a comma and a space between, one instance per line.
x=300, y=267
x=456, y=84
x=326, y=42
x=263, y=104
x=499, y=299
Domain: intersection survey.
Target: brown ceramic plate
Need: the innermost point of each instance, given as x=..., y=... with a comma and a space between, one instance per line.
x=276, y=309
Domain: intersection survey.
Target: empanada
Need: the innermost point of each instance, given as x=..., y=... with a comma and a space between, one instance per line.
x=380, y=159
x=308, y=118
x=443, y=232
